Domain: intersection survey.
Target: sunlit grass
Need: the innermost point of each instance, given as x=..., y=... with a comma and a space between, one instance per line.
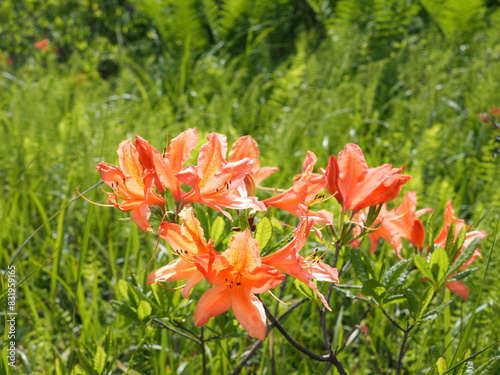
x=415, y=107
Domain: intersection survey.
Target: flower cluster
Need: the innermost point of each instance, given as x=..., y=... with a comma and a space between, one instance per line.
x=148, y=183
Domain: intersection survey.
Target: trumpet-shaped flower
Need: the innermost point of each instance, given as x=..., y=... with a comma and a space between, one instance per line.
x=131, y=184
x=237, y=275
x=304, y=192
x=355, y=186
x=166, y=166
x=449, y=218
x=187, y=240
x=401, y=222
x=214, y=179
x=247, y=147
x=305, y=269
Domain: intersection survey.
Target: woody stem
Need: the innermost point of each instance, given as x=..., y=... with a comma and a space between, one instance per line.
x=330, y=357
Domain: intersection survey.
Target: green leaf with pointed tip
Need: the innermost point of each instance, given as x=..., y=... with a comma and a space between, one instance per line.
x=395, y=276
x=425, y=300
x=457, y=245
x=123, y=309
x=433, y=314
x=374, y=289
x=264, y=232
x=463, y=257
x=362, y=265
x=439, y=264
x=489, y=368
x=59, y=367
x=450, y=238
x=307, y=292
x=395, y=298
x=412, y=301
x=99, y=360
x=143, y=310
x=462, y=275
x=423, y=267
x=109, y=344
x=441, y=365
x=123, y=288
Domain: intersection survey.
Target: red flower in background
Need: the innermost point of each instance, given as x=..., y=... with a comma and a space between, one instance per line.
x=42, y=45
x=247, y=147
x=355, y=186
x=449, y=218
x=304, y=192
x=401, y=222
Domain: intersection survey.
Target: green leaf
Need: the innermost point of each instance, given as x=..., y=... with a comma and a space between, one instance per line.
x=439, y=264
x=411, y=299
x=450, y=237
x=77, y=370
x=109, y=344
x=457, y=245
x=264, y=232
x=99, y=360
x=362, y=265
x=489, y=368
x=143, y=310
x=441, y=365
x=306, y=291
x=123, y=288
x=374, y=289
x=395, y=276
x=463, y=257
x=424, y=301
x=85, y=364
x=433, y=314
x=217, y=228
x=395, y=298
x=462, y=275
x=124, y=309
x=59, y=367
x=423, y=267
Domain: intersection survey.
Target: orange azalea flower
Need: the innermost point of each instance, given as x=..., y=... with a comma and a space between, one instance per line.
x=42, y=45
x=355, y=186
x=214, y=179
x=440, y=241
x=186, y=240
x=401, y=222
x=131, y=184
x=305, y=269
x=238, y=275
x=247, y=147
x=170, y=163
x=304, y=192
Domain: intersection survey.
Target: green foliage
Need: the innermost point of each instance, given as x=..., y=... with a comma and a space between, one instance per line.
x=404, y=79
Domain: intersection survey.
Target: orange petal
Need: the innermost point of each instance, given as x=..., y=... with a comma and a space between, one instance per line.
x=249, y=311
x=213, y=302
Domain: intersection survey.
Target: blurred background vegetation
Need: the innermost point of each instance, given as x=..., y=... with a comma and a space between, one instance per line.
x=404, y=79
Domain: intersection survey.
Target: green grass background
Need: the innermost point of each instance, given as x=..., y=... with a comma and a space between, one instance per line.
x=404, y=80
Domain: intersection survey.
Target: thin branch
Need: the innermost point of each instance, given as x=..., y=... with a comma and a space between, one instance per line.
x=291, y=340
x=164, y=325
x=354, y=328
x=394, y=323
x=402, y=350
x=259, y=343
x=330, y=357
x=203, y=352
